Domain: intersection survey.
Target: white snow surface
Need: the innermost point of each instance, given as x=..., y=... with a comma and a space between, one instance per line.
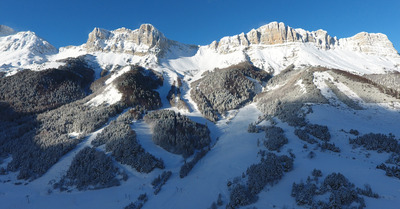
x=109, y=96
x=22, y=49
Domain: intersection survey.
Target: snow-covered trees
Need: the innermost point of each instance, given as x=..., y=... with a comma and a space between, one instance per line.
x=137, y=87
x=138, y=204
x=120, y=140
x=226, y=89
x=174, y=96
x=158, y=182
x=275, y=138
x=176, y=133
x=188, y=166
x=37, y=91
x=319, y=131
x=342, y=193
x=379, y=142
x=269, y=171
x=90, y=169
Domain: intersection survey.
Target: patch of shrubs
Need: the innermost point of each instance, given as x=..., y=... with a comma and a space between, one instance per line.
x=319, y=131
x=379, y=142
x=176, y=133
x=342, y=193
x=303, y=135
x=121, y=141
x=138, y=204
x=313, y=130
x=391, y=171
x=252, y=128
x=188, y=166
x=268, y=172
x=354, y=132
x=275, y=138
x=158, y=182
x=90, y=169
x=394, y=159
x=328, y=146
x=367, y=191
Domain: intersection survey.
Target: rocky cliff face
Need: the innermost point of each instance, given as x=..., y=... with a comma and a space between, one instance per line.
x=278, y=33
x=146, y=39
x=274, y=33
x=369, y=43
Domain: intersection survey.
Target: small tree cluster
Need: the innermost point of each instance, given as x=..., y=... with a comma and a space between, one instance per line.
x=275, y=138
x=354, y=132
x=269, y=171
x=252, y=128
x=176, y=133
x=188, y=166
x=391, y=171
x=174, y=96
x=342, y=193
x=121, y=141
x=319, y=131
x=379, y=142
x=138, y=88
x=160, y=181
x=329, y=146
x=90, y=169
x=138, y=204
x=303, y=135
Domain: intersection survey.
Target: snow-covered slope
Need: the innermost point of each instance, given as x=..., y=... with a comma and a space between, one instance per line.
x=23, y=49
x=275, y=46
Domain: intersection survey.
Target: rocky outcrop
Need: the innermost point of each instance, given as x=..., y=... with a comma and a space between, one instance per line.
x=369, y=43
x=146, y=39
x=274, y=33
x=279, y=33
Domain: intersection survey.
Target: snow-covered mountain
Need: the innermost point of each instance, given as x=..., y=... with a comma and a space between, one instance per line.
x=274, y=118
x=19, y=50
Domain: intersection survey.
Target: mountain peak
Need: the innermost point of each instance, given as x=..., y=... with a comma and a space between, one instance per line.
x=138, y=42
x=5, y=30
x=369, y=43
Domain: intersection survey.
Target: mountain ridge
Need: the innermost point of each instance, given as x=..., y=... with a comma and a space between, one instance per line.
x=271, y=47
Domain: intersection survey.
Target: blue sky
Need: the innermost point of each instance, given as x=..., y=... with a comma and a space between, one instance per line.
x=68, y=22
